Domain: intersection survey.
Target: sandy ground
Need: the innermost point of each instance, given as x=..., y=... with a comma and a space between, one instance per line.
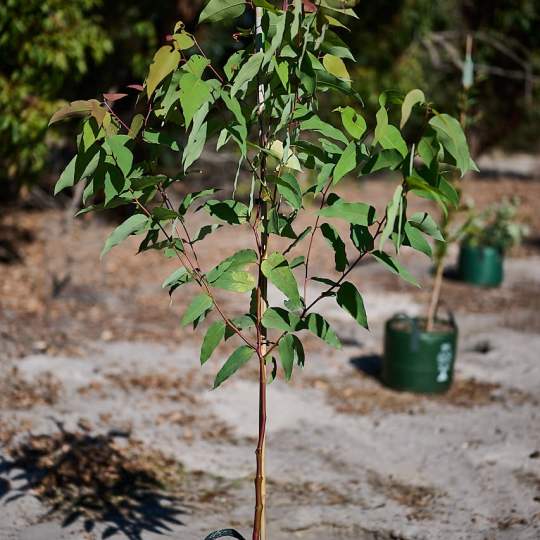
x=347, y=458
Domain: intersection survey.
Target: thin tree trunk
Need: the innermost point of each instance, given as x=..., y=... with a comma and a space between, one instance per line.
x=259, y=520
x=435, y=294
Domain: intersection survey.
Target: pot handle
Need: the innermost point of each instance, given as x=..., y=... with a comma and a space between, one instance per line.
x=415, y=329
x=228, y=533
x=449, y=313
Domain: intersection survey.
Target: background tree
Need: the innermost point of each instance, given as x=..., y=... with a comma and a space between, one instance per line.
x=414, y=43
x=43, y=44
x=399, y=44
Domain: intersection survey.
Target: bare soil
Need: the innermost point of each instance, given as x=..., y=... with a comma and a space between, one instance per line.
x=108, y=427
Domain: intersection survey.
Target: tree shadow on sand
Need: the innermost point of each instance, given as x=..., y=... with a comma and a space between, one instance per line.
x=369, y=364
x=96, y=479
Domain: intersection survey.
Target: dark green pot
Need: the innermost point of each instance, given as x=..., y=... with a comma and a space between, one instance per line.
x=481, y=265
x=418, y=361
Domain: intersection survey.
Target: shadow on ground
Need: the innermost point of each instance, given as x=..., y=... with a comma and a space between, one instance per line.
x=100, y=480
x=369, y=364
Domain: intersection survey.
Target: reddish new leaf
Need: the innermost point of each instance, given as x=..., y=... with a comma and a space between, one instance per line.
x=114, y=97
x=309, y=6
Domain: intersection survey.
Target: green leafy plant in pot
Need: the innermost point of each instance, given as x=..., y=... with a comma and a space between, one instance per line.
x=419, y=353
x=486, y=236
x=264, y=103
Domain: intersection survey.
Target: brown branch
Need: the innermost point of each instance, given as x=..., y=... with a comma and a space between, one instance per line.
x=199, y=278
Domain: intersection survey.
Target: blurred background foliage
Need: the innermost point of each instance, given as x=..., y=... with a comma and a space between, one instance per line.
x=60, y=50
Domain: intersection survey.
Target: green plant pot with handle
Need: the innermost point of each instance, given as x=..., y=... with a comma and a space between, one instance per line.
x=418, y=361
x=481, y=265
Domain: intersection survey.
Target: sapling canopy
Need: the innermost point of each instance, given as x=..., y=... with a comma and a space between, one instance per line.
x=269, y=103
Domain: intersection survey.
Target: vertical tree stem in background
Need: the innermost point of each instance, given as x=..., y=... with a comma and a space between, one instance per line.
x=436, y=293
x=441, y=255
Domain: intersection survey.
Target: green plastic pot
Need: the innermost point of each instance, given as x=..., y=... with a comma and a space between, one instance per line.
x=481, y=265
x=418, y=361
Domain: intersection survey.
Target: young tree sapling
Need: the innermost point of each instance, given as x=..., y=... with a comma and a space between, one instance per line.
x=265, y=102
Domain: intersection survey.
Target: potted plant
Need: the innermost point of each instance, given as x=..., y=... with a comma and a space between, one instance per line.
x=486, y=237
x=419, y=352
x=265, y=103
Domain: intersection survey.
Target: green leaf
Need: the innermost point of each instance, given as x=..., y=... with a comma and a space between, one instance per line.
x=385, y=159
x=323, y=176
x=190, y=198
x=197, y=138
x=332, y=237
x=194, y=93
x=196, y=65
x=297, y=261
x=137, y=123
x=424, y=222
x=158, y=137
x=340, y=6
x=394, y=267
x=290, y=350
x=230, y=211
x=132, y=225
x=282, y=69
x=451, y=136
x=266, y=5
x=195, y=145
x=416, y=239
x=218, y=10
x=116, y=146
x=163, y=214
x=165, y=61
x=213, y=337
x=333, y=44
x=80, y=167
x=233, y=63
x=361, y=238
x=388, y=136
x=248, y=72
x=198, y=307
x=426, y=190
x=289, y=189
x=356, y=213
x=350, y=300
x=144, y=182
x=414, y=97
x=242, y=323
x=326, y=281
x=353, y=122
x=288, y=159
x=346, y=163
x=314, y=123
x=277, y=270
x=238, y=358
x=391, y=214
x=204, y=231
x=318, y=325
x=236, y=281
x=429, y=148
x=449, y=191
x=238, y=261
x=183, y=40
x=176, y=279
x=335, y=66
x=280, y=319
